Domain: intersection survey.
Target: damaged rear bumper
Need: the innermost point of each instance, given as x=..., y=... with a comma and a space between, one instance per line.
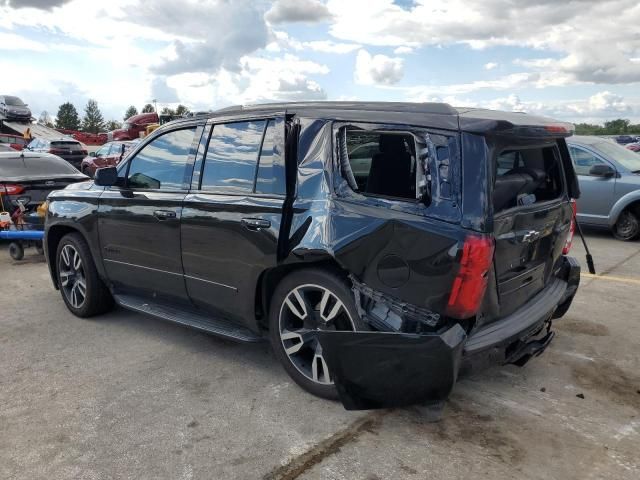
x=379, y=369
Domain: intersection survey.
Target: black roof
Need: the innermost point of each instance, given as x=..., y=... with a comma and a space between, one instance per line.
x=434, y=115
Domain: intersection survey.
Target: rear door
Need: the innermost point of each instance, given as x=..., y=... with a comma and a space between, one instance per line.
x=232, y=215
x=139, y=223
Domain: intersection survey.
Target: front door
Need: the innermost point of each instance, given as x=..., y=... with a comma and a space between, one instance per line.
x=139, y=223
x=231, y=218
x=596, y=193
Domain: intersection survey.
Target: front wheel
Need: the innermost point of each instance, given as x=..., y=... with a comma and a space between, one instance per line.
x=83, y=291
x=627, y=227
x=303, y=303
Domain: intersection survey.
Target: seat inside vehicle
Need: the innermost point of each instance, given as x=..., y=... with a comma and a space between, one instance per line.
x=526, y=176
x=383, y=163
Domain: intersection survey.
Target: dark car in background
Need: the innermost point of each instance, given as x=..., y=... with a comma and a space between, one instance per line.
x=27, y=178
x=67, y=148
x=442, y=246
x=108, y=155
x=624, y=139
x=609, y=176
x=16, y=142
x=13, y=108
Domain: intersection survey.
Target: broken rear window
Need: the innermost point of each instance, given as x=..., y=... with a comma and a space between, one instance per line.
x=527, y=175
x=383, y=163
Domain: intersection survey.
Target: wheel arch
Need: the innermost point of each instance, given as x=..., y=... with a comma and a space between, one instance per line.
x=269, y=279
x=53, y=236
x=630, y=200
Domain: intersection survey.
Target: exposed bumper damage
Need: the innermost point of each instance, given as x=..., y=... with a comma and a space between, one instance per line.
x=412, y=359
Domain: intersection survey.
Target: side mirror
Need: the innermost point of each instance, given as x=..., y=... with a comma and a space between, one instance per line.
x=106, y=177
x=602, y=170
x=92, y=154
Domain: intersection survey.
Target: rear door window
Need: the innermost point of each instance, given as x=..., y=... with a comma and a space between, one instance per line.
x=271, y=175
x=162, y=163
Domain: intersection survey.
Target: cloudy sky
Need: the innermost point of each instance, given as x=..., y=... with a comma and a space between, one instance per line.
x=577, y=60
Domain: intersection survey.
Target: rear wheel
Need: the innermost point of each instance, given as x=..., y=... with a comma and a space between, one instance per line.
x=627, y=227
x=303, y=303
x=84, y=293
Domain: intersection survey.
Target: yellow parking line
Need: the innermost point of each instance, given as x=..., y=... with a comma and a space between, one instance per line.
x=612, y=278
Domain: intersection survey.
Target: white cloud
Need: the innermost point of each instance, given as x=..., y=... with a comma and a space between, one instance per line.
x=403, y=50
x=490, y=65
x=289, y=11
x=327, y=46
x=575, y=29
x=377, y=69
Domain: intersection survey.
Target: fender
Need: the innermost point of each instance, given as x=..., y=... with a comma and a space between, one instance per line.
x=622, y=203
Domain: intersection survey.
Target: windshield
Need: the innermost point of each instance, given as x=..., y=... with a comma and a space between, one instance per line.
x=625, y=157
x=13, y=101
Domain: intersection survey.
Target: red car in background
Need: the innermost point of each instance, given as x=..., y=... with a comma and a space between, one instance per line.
x=108, y=155
x=634, y=147
x=14, y=141
x=133, y=126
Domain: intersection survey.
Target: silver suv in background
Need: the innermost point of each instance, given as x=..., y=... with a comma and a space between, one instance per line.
x=609, y=177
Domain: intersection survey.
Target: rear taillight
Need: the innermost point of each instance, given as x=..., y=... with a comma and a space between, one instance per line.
x=572, y=228
x=85, y=153
x=470, y=284
x=11, y=189
x=57, y=151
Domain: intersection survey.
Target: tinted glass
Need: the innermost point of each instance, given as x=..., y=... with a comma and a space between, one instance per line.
x=271, y=176
x=583, y=160
x=161, y=164
x=67, y=145
x=14, y=101
x=16, y=166
x=232, y=155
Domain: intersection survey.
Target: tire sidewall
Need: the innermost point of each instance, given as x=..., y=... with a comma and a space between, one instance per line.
x=90, y=275
x=321, y=278
x=634, y=218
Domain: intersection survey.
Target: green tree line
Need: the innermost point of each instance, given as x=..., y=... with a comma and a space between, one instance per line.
x=619, y=126
x=93, y=121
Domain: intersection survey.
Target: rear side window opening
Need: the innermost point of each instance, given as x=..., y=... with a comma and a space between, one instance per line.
x=526, y=176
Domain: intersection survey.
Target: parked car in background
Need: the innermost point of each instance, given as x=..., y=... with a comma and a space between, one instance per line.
x=108, y=155
x=634, y=147
x=67, y=148
x=28, y=177
x=624, y=139
x=5, y=147
x=250, y=225
x=16, y=142
x=13, y=108
x=609, y=177
x=133, y=126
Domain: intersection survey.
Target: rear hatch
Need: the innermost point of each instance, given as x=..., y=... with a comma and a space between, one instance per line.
x=70, y=150
x=532, y=219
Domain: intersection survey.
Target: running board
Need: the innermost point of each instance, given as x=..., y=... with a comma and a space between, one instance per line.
x=197, y=320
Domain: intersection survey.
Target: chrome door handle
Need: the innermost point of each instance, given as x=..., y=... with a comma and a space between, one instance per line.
x=164, y=214
x=255, y=223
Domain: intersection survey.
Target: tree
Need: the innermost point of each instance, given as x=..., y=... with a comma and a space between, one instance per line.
x=181, y=110
x=167, y=111
x=617, y=126
x=45, y=119
x=112, y=125
x=131, y=111
x=148, y=108
x=67, y=117
x=93, y=121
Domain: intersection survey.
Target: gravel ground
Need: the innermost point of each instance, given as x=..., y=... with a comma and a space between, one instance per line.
x=127, y=396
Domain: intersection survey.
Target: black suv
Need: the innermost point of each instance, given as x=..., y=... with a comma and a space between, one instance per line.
x=381, y=247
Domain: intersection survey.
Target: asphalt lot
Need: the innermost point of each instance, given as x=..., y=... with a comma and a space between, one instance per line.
x=127, y=396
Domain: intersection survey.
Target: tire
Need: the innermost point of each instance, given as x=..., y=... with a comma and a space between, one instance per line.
x=284, y=324
x=92, y=299
x=16, y=250
x=627, y=227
